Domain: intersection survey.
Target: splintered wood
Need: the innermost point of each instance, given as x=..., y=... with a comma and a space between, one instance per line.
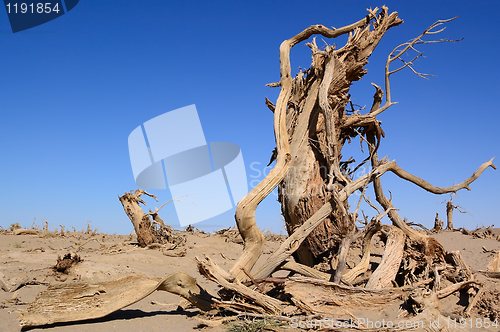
x=322, y=296
x=81, y=301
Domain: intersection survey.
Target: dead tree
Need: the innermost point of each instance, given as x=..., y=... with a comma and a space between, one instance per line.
x=313, y=120
x=449, y=212
x=149, y=227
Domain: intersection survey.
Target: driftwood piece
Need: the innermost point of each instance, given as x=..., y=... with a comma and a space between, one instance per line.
x=5, y=284
x=82, y=301
x=388, y=268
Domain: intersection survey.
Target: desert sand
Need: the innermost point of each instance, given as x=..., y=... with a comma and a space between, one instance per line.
x=27, y=264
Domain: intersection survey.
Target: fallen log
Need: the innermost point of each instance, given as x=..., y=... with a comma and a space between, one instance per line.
x=82, y=301
x=325, y=297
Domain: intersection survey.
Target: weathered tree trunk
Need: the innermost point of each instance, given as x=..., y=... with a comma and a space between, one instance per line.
x=449, y=215
x=316, y=115
x=139, y=219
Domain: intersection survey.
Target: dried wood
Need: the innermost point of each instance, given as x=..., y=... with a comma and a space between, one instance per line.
x=130, y=202
x=305, y=270
x=455, y=257
x=385, y=273
x=362, y=266
x=26, y=232
x=449, y=215
x=245, y=213
x=210, y=270
x=293, y=242
x=345, y=243
x=494, y=264
x=323, y=295
x=458, y=286
x=438, y=224
x=316, y=146
x=82, y=301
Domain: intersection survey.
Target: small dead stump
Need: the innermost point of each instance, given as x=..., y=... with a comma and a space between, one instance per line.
x=149, y=227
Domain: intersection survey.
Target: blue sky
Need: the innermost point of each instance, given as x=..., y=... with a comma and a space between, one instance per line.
x=73, y=89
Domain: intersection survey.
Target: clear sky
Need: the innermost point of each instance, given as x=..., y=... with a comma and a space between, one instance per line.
x=73, y=89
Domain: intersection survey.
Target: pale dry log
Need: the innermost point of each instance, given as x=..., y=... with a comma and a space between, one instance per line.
x=324, y=295
x=302, y=165
x=344, y=246
x=5, y=284
x=305, y=270
x=210, y=270
x=331, y=120
x=82, y=301
x=142, y=226
x=385, y=273
x=26, y=232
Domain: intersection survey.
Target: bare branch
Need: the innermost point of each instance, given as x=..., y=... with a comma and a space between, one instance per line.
x=440, y=190
x=398, y=52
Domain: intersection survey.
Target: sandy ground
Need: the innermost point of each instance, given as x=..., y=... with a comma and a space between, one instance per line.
x=108, y=257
